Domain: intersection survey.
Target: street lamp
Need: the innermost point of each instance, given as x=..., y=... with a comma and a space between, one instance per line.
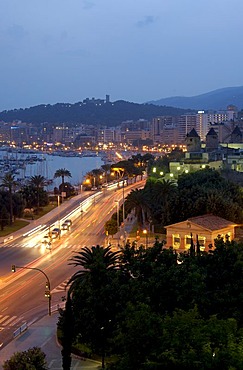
x=123, y=202
x=48, y=284
x=145, y=232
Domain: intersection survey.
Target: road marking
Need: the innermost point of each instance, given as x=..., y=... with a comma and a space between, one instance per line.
x=9, y=320
x=16, y=321
x=3, y=318
x=61, y=287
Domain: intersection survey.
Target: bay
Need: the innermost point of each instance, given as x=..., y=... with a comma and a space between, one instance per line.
x=46, y=165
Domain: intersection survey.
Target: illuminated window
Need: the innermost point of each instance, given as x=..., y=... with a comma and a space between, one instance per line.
x=176, y=240
x=202, y=242
x=187, y=241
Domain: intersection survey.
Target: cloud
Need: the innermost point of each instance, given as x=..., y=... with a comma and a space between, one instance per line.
x=146, y=21
x=87, y=4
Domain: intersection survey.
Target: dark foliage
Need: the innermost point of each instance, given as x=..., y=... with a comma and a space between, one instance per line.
x=110, y=114
x=149, y=312
x=32, y=359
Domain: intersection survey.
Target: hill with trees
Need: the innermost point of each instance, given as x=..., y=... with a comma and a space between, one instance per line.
x=109, y=114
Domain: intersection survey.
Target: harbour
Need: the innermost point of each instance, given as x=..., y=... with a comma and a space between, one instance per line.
x=25, y=164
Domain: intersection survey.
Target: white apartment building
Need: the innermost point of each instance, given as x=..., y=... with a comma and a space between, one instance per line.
x=207, y=120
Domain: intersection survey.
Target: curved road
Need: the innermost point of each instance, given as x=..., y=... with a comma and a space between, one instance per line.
x=22, y=293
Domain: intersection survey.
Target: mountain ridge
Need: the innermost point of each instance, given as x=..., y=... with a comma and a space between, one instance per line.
x=213, y=100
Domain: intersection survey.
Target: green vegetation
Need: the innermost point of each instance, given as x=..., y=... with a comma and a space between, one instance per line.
x=141, y=309
x=112, y=114
x=33, y=358
x=62, y=172
x=152, y=309
x=17, y=225
x=162, y=202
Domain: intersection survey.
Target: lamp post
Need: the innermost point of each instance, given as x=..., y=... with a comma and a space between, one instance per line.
x=48, y=284
x=117, y=210
x=58, y=200
x=145, y=232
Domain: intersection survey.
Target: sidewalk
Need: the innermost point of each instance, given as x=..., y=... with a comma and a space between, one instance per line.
x=43, y=334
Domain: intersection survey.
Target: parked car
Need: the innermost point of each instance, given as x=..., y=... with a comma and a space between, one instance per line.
x=94, y=188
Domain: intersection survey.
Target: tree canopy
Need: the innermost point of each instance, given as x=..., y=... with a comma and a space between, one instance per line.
x=149, y=312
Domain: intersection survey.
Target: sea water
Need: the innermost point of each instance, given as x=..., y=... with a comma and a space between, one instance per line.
x=48, y=164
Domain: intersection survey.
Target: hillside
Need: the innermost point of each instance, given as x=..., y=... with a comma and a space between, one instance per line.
x=108, y=114
x=216, y=100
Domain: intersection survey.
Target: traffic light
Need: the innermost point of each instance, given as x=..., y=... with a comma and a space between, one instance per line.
x=47, y=291
x=47, y=294
x=13, y=268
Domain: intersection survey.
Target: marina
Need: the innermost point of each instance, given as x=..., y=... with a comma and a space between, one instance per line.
x=25, y=164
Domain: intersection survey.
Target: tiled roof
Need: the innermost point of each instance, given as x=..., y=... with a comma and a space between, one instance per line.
x=211, y=222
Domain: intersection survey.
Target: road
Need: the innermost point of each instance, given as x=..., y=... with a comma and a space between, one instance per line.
x=22, y=293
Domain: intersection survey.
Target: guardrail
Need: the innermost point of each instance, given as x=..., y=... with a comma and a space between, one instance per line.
x=20, y=330
x=24, y=326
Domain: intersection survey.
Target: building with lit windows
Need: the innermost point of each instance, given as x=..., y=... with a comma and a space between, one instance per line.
x=204, y=228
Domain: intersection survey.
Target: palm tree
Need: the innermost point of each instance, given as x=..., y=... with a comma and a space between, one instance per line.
x=164, y=192
x=62, y=172
x=106, y=168
x=9, y=182
x=95, y=262
x=95, y=278
x=137, y=201
x=38, y=182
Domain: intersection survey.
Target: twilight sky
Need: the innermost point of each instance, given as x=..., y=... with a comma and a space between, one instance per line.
x=136, y=50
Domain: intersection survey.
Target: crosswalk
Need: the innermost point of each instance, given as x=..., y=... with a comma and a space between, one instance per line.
x=6, y=320
x=69, y=246
x=61, y=287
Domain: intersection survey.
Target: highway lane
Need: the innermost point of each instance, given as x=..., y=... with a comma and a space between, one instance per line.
x=22, y=294
x=25, y=249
